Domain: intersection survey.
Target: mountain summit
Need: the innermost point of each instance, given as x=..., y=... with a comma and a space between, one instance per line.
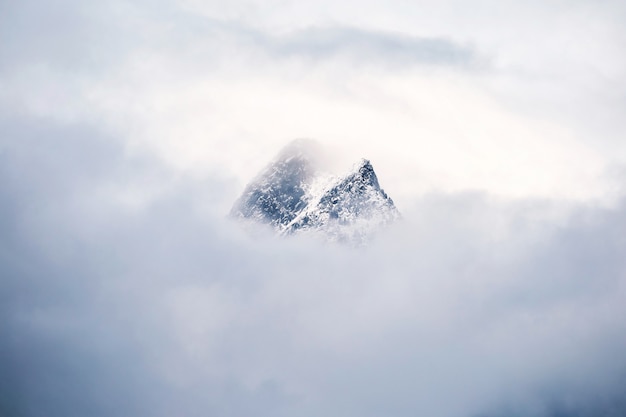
x=293, y=196
x=279, y=192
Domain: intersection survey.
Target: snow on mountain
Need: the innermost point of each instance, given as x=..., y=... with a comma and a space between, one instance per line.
x=350, y=210
x=293, y=196
x=280, y=191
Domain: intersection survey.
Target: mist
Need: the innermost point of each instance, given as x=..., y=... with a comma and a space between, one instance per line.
x=471, y=305
x=128, y=129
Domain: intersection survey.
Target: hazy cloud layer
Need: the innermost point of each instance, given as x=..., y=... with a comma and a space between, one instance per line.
x=76, y=37
x=372, y=46
x=446, y=96
x=472, y=306
x=127, y=130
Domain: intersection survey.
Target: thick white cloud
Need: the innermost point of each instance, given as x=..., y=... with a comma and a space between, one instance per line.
x=471, y=305
x=129, y=128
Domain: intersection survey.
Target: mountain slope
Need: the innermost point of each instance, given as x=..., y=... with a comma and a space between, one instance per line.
x=279, y=192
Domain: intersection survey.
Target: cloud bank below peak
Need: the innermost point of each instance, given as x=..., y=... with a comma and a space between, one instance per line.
x=471, y=306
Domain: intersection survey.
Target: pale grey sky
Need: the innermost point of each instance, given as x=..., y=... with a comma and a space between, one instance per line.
x=520, y=99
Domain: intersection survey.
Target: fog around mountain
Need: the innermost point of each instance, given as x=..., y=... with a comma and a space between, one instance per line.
x=470, y=306
x=129, y=129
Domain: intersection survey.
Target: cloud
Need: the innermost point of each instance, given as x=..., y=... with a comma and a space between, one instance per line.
x=67, y=35
x=129, y=129
x=433, y=106
x=373, y=47
x=91, y=39
x=472, y=306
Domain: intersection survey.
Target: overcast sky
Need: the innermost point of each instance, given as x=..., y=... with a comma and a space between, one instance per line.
x=128, y=128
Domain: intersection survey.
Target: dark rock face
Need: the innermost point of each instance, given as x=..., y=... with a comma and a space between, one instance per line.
x=350, y=209
x=278, y=193
x=278, y=197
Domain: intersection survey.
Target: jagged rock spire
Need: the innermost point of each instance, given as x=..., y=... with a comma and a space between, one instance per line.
x=366, y=173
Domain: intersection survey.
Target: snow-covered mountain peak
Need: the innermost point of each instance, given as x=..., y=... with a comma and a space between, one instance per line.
x=279, y=192
x=293, y=196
